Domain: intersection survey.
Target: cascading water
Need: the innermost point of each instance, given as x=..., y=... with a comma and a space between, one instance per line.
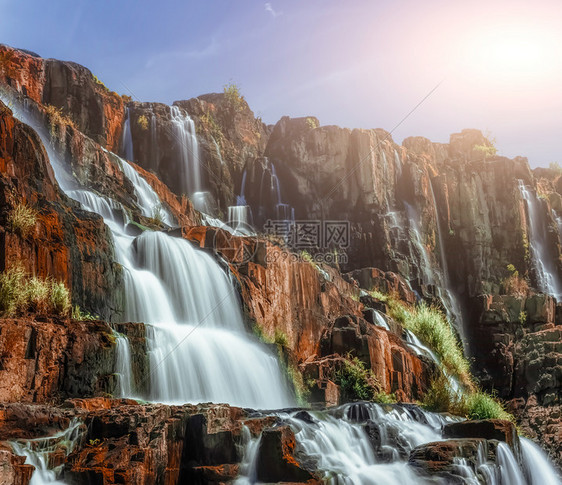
x=40, y=452
x=366, y=443
x=199, y=350
x=548, y=279
x=188, y=150
x=127, y=142
x=430, y=276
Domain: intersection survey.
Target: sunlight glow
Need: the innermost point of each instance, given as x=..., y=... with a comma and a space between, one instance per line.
x=517, y=53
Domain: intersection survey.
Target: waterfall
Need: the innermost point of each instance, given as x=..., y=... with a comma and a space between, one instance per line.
x=188, y=149
x=127, y=142
x=123, y=367
x=548, y=279
x=199, y=350
x=40, y=452
x=369, y=444
x=429, y=276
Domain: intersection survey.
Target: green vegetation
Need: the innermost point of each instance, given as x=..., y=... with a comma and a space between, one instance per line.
x=142, y=122
x=233, y=96
x=357, y=383
x=471, y=404
x=21, y=293
x=100, y=83
x=514, y=284
x=57, y=119
x=433, y=329
x=210, y=125
x=522, y=317
x=311, y=122
x=22, y=219
x=79, y=314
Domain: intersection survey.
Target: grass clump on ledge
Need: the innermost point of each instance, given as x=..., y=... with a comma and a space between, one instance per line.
x=22, y=219
x=357, y=383
x=432, y=327
x=471, y=404
x=21, y=293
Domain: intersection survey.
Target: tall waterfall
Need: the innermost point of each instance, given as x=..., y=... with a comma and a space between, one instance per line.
x=188, y=150
x=548, y=278
x=199, y=350
x=127, y=142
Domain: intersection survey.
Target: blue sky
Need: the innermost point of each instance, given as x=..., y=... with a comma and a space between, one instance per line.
x=357, y=63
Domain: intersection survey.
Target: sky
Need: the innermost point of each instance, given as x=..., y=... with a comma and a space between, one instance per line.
x=492, y=65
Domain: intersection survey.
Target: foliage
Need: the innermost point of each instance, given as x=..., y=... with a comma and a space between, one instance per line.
x=22, y=219
x=357, y=383
x=311, y=122
x=209, y=124
x=60, y=298
x=126, y=98
x=433, y=329
x=100, y=83
x=385, y=398
x=487, y=149
x=514, y=284
x=57, y=118
x=20, y=293
x=522, y=317
x=79, y=314
x=479, y=405
x=142, y=122
x=472, y=404
x=556, y=167
x=233, y=96
x=157, y=215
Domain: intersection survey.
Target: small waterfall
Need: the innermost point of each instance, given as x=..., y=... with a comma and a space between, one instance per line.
x=368, y=444
x=548, y=279
x=147, y=198
x=536, y=466
x=198, y=347
x=239, y=219
x=123, y=367
x=127, y=142
x=429, y=276
x=398, y=165
x=188, y=150
x=40, y=453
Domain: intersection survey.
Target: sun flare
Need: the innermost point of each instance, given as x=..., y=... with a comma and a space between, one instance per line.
x=516, y=53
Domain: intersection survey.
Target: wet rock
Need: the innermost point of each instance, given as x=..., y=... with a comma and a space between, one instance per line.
x=489, y=429
x=276, y=460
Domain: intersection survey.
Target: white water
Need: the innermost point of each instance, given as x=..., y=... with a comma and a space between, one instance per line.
x=184, y=132
x=336, y=443
x=128, y=137
x=536, y=465
x=123, y=366
x=239, y=219
x=429, y=275
x=548, y=279
x=38, y=451
x=199, y=349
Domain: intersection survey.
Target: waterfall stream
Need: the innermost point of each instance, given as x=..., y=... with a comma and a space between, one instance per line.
x=548, y=279
x=199, y=350
x=370, y=444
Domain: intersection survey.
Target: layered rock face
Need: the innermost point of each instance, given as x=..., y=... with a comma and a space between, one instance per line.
x=435, y=221
x=68, y=87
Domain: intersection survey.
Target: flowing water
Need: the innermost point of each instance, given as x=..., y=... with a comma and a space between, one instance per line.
x=199, y=350
x=370, y=444
x=39, y=452
x=183, y=129
x=548, y=279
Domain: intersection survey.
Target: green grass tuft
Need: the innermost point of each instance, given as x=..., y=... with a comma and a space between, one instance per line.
x=21, y=293
x=22, y=219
